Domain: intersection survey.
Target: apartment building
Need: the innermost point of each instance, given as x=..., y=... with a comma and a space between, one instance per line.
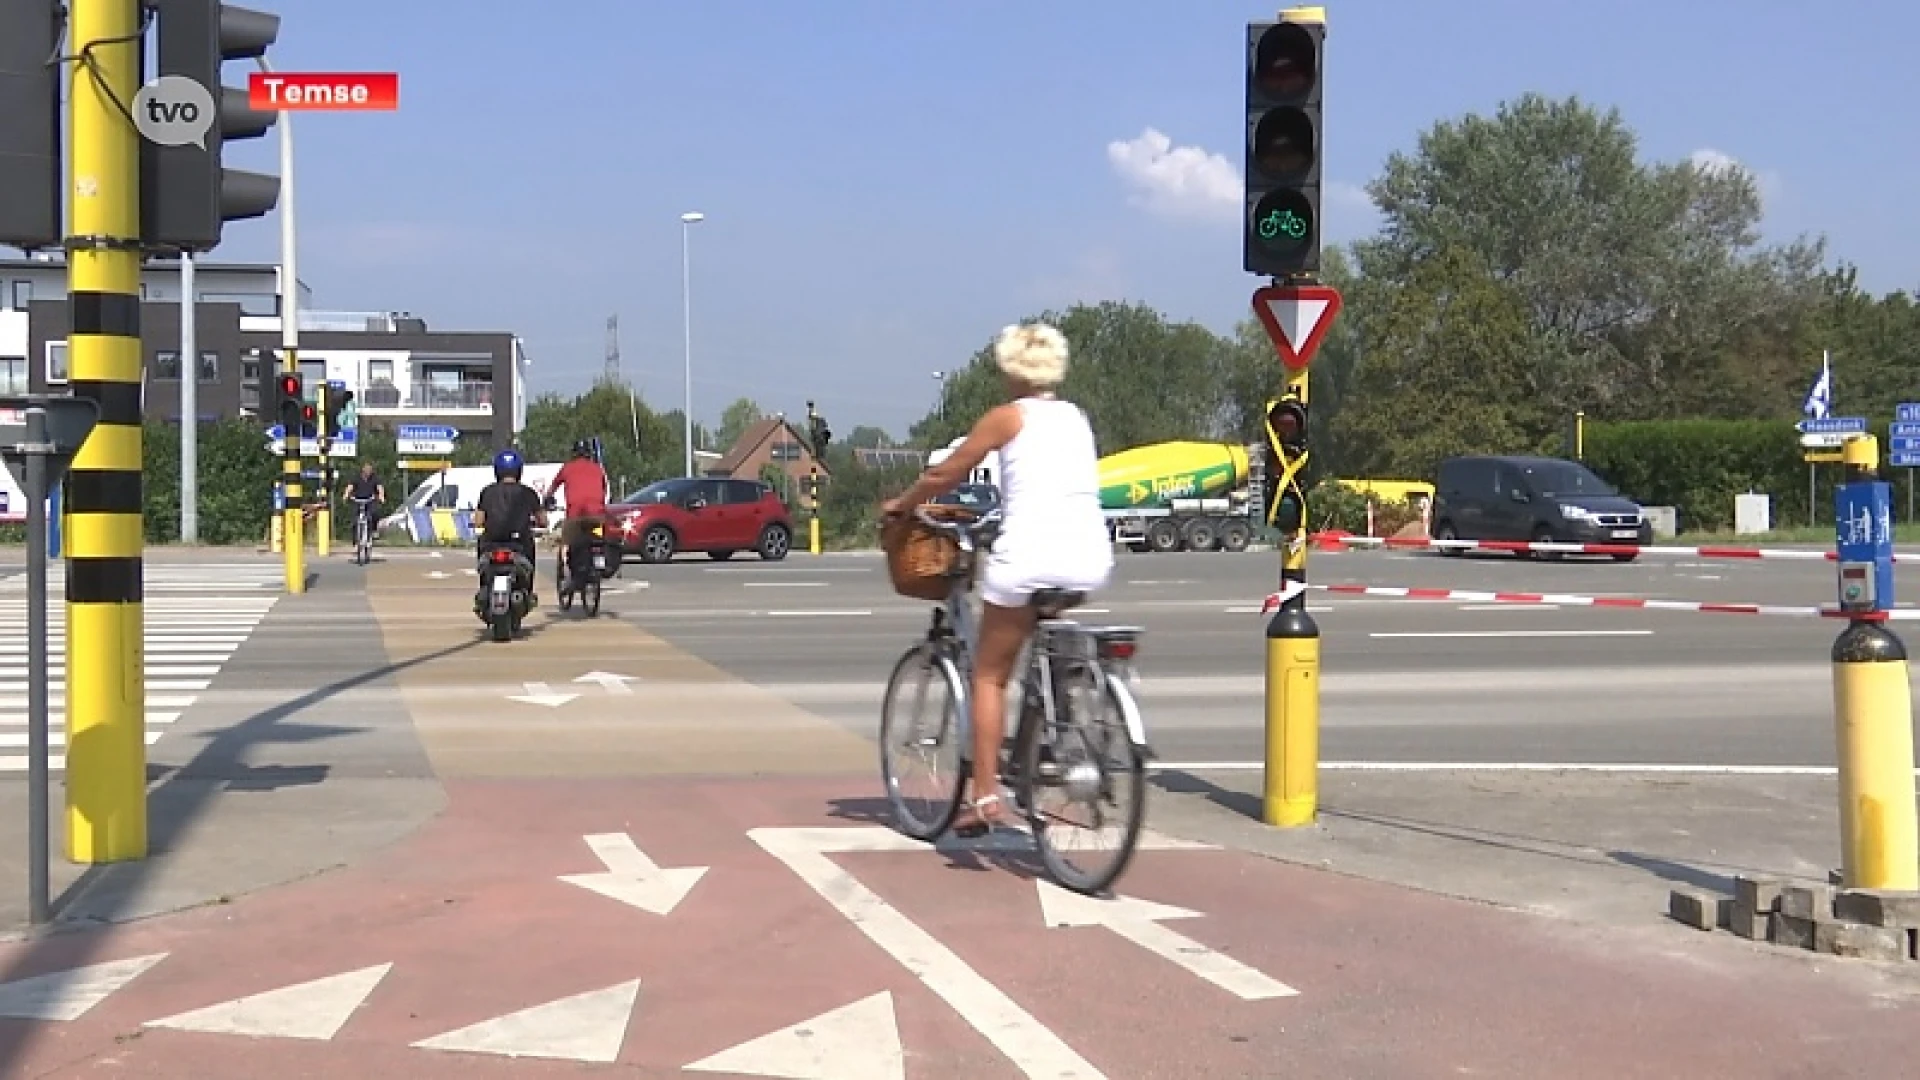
x=401, y=372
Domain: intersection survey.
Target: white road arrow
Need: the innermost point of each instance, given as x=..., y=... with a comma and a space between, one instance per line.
x=438, y=574
x=539, y=693
x=1139, y=922
x=634, y=879
x=614, y=684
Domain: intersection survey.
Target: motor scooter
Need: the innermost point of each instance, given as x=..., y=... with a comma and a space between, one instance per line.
x=504, y=597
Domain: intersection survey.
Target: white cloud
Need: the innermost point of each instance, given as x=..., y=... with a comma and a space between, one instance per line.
x=1709, y=160
x=1177, y=181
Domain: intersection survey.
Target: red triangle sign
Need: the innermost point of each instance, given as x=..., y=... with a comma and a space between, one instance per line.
x=1297, y=318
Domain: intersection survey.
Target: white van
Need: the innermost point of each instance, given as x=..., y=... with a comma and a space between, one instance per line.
x=456, y=489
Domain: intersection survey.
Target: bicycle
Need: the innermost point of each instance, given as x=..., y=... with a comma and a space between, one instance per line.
x=586, y=579
x=1074, y=705
x=362, y=530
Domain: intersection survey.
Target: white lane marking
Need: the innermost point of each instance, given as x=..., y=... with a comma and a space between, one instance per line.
x=860, y=1041
x=1255, y=609
x=67, y=995
x=634, y=879
x=55, y=737
x=1509, y=607
x=1028, y=1044
x=808, y=570
x=585, y=1027
x=1139, y=920
x=1176, y=581
x=1510, y=633
x=1515, y=766
x=57, y=683
x=810, y=614
x=783, y=584
x=315, y=1010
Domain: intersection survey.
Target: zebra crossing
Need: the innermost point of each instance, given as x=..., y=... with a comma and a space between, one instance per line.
x=196, y=616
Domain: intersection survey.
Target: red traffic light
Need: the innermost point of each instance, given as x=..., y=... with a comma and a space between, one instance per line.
x=1287, y=422
x=289, y=385
x=308, y=412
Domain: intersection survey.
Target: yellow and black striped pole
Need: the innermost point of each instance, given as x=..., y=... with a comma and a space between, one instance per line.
x=323, y=509
x=106, y=748
x=292, y=532
x=1291, y=793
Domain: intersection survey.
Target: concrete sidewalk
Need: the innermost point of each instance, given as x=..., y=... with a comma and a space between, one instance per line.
x=1601, y=849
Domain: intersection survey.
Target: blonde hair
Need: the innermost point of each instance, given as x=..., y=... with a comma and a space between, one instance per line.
x=1034, y=353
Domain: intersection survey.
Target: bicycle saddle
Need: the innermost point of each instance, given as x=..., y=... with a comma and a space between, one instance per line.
x=1049, y=603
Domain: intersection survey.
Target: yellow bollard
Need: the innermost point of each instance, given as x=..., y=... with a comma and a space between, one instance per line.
x=813, y=534
x=1873, y=726
x=323, y=529
x=1292, y=795
x=274, y=539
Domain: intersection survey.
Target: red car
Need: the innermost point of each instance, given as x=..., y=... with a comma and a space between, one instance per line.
x=716, y=516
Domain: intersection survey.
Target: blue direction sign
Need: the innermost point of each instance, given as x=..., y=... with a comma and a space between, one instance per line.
x=1832, y=425
x=1907, y=413
x=1904, y=459
x=427, y=432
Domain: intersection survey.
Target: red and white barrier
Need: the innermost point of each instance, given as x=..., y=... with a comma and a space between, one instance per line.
x=1632, y=603
x=1604, y=549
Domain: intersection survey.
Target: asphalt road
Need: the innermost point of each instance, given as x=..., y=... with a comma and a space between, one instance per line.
x=1403, y=680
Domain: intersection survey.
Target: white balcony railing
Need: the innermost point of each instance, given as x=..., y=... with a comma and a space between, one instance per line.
x=469, y=396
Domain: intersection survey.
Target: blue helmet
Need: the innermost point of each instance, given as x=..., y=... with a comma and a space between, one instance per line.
x=507, y=463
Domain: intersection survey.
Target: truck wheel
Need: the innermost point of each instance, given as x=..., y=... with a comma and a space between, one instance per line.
x=1163, y=535
x=1200, y=535
x=1235, y=536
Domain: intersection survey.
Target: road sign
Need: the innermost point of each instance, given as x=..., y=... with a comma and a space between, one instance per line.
x=1297, y=318
x=346, y=444
x=1899, y=429
x=1863, y=544
x=69, y=420
x=425, y=466
x=1826, y=438
x=424, y=446
x=1833, y=425
x=1907, y=413
x=1904, y=442
x=427, y=432
x=1901, y=459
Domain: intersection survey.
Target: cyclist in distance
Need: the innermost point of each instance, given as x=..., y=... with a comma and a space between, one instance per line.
x=586, y=486
x=506, y=513
x=1052, y=534
x=365, y=492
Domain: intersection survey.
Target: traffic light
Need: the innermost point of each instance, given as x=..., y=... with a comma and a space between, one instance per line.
x=186, y=193
x=1286, y=459
x=30, y=166
x=821, y=435
x=333, y=403
x=1283, y=153
x=289, y=403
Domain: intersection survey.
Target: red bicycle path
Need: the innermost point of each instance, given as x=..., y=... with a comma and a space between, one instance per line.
x=946, y=951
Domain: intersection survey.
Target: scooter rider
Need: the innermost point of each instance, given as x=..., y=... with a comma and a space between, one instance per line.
x=586, y=486
x=506, y=513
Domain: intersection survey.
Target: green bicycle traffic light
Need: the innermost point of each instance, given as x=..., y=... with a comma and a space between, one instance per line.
x=1283, y=152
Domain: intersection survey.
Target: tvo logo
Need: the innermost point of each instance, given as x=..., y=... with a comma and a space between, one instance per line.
x=174, y=110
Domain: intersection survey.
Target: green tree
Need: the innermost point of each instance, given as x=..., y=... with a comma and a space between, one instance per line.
x=735, y=419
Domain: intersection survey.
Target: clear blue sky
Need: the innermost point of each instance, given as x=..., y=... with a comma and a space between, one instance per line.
x=887, y=183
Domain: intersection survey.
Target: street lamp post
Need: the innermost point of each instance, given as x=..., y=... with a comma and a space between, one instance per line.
x=687, y=221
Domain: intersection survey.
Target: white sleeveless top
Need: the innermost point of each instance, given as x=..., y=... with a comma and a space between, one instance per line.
x=1049, y=482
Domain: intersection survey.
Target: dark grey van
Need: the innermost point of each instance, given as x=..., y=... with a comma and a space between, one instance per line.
x=1543, y=500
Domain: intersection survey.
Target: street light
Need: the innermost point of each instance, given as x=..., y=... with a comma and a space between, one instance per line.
x=940, y=403
x=687, y=221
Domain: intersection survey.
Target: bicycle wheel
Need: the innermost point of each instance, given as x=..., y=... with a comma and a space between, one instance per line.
x=590, y=599
x=560, y=592
x=1098, y=772
x=920, y=731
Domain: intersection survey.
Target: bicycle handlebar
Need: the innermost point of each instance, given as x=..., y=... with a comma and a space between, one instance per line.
x=966, y=530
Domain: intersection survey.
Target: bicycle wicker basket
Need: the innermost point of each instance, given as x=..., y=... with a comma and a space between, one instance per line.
x=922, y=561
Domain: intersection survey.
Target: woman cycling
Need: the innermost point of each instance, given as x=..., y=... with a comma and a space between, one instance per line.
x=1052, y=534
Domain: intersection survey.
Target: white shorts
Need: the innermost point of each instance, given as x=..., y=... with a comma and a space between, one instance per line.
x=1010, y=583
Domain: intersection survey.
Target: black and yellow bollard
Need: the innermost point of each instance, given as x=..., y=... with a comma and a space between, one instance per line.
x=1873, y=725
x=1292, y=794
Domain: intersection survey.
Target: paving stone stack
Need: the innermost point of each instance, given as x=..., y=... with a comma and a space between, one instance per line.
x=1872, y=924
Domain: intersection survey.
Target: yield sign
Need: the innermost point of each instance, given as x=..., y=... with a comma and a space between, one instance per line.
x=1297, y=318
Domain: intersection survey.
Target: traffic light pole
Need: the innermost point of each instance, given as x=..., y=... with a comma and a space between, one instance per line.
x=323, y=509
x=1291, y=793
x=293, y=533
x=106, y=618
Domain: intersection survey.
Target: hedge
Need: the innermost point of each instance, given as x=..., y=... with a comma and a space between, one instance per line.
x=1698, y=466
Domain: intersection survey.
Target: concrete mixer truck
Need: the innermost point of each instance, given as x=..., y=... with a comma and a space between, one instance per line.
x=1170, y=496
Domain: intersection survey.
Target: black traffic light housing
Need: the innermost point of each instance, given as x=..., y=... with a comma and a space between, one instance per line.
x=1286, y=458
x=818, y=433
x=1284, y=149
x=333, y=409
x=186, y=193
x=30, y=166
x=289, y=403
